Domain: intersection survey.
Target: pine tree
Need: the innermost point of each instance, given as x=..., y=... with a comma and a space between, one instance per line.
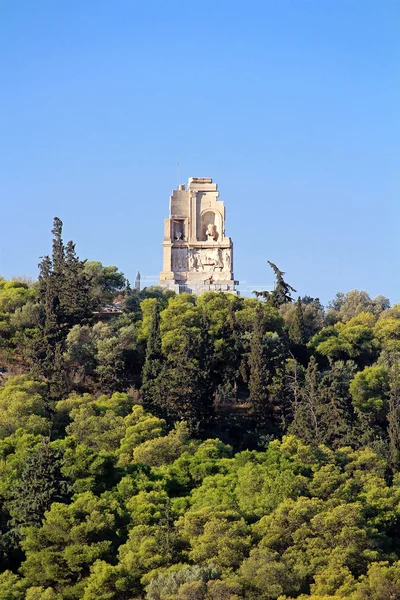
x=282, y=290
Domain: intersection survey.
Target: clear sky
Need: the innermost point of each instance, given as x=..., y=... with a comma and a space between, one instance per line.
x=292, y=106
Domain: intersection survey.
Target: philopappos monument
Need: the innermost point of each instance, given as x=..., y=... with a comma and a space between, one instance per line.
x=198, y=257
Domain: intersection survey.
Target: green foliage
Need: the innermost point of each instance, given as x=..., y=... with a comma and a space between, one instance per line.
x=259, y=371
x=312, y=318
x=41, y=593
x=154, y=361
x=282, y=293
x=64, y=297
x=23, y=404
x=140, y=427
x=41, y=483
x=353, y=339
x=297, y=329
x=116, y=354
x=370, y=389
x=11, y=586
x=163, y=450
x=71, y=538
x=107, y=582
x=174, y=581
x=220, y=538
x=382, y=582
x=387, y=329
x=146, y=455
x=346, y=306
x=180, y=388
x=322, y=410
x=105, y=282
x=14, y=295
x=103, y=356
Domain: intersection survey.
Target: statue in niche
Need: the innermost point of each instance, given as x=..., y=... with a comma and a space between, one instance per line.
x=178, y=231
x=211, y=233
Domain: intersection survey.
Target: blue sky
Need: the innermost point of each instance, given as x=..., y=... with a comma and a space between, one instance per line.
x=292, y=106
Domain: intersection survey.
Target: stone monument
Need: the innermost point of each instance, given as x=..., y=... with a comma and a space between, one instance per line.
x=198, y=257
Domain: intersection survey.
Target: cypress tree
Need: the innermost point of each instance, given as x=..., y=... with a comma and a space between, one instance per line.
x=58, y=254
x=259, y=372
x=154, y=357
x=232, y=366
x=292, y=381
x=65, y=300
x=393, y=416
x=153, y=367
x=179, y=388
x=75, y=292
x=336, y=413
x=297, y=329
x=306, y=410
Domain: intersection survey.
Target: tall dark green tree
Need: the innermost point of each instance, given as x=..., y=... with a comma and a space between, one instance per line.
x=154, y=357
x=235, y=358
x=40, y=484
x=153, y=366
x=306, y=422
x=282, y=292
x=65, y=300
x=335, y=410
x=259, y=372
x=292, y=377
x=297, y=328
x=321, y=405
x=393, y=415
x=182, y=389
x=77, y=301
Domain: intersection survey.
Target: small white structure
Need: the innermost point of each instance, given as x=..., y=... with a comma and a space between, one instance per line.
x=197, y=255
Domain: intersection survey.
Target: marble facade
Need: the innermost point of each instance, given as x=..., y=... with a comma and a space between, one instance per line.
x=198, y=257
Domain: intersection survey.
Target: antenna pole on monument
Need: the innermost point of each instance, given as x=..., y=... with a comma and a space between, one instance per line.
x=177, y=172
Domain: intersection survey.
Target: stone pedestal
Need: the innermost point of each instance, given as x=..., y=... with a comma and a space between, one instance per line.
x=198, y=257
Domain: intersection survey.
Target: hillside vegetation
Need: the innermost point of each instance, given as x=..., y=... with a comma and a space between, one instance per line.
x=195, y=448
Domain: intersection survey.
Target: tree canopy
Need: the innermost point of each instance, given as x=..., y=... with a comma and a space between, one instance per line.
x=195, y=448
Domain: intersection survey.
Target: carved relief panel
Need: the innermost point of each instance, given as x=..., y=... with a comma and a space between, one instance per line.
x=210, y=259
x=179, y=259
